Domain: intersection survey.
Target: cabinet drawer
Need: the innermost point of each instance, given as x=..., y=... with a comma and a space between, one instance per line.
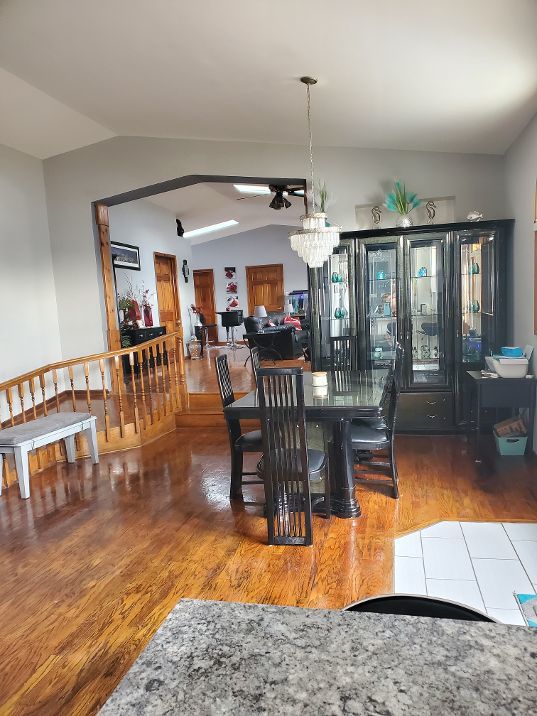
x=425, y=411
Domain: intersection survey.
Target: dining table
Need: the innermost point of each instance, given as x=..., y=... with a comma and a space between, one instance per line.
x=348, y=395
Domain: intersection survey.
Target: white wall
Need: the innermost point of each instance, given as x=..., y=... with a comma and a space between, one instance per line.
x=30, y=331
x=151, y=228
x=521, y=177
x=354, y=176
x=268, y=245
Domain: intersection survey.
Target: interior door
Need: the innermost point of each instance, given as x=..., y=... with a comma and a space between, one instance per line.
x=204, y=292
x=167, y=296
x=428, y=321
x=265, y=287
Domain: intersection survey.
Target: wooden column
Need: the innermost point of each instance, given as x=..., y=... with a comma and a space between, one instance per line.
x=103, y=226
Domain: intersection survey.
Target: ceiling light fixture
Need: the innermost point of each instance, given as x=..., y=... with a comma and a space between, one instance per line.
x=279, y=201
x=252, y=188
x=315, y=241
x=209, y=229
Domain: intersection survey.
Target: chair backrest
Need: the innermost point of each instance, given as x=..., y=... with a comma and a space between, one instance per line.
x=285, y=458
x=393, y=389
x=343, y=352
x=418, y=606
x=256, y=363
x=224, y=381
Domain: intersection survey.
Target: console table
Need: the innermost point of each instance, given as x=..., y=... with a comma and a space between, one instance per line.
x=137, y=336
x=498, y=393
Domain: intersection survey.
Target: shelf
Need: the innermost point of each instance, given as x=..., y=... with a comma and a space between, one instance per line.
x=415, y=278
x=379, y=280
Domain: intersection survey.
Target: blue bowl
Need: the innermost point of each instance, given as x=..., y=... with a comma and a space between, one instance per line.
x=512, y=352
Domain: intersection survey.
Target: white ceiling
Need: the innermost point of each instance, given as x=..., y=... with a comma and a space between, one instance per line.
x=211, y=203
x=449, y=75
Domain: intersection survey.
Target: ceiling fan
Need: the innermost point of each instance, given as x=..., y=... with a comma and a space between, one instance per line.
x=281, y=192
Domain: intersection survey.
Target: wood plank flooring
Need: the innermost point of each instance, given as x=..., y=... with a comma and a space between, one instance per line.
x=94, y=561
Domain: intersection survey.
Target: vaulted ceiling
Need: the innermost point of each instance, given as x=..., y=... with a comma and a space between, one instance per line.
x=449, y=75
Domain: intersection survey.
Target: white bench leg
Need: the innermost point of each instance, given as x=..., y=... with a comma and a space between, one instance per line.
x=23, y=471
x=91, y=437
x=70, y=449
x=1, y=473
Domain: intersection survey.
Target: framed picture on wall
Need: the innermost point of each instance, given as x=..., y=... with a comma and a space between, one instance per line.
x=125, y=256
x=230, y=271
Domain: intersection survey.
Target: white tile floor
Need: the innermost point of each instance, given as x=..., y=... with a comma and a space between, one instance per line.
x=479, y=564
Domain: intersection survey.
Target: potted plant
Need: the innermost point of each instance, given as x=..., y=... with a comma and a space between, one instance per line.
x=402, y=203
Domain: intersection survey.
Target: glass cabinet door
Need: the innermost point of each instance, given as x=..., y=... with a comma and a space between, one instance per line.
x=381, y=292
x=426, y=320
x=476, y=269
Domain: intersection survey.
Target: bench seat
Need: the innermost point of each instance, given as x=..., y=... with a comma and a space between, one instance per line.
x=20, y=439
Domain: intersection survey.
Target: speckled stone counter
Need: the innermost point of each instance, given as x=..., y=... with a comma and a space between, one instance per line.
x=226, y=658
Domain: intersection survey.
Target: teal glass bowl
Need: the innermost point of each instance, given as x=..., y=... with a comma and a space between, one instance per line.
x=512, y=352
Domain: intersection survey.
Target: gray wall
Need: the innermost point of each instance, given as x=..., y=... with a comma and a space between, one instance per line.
x=521, y=176
x=354, y=176
x=151, y=228
x=31, y=335
x=268, y=245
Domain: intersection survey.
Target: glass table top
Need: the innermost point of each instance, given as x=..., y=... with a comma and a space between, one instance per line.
x=348, y=394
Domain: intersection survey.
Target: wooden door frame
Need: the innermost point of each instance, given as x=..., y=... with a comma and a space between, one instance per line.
x=207, y=270
x=102, y=229
x=173, y=258
x=257, y=266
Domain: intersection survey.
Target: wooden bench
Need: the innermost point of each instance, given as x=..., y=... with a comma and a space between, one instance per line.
x=20, y=439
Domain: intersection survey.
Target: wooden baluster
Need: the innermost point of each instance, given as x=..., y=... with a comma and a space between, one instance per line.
x=119, y=380
x=159, y=351
x=43, y=393
x=56, y=394
x=88, y=391
x=181, y=364
x=148, y=364
x=134, y=395
x=142, y=387
x=153, y=359
x=167, y=385
x=31, y=385
x=174, y=344
x=105, y=402
x=71, y=373
x=20, y=387
x=9, y=399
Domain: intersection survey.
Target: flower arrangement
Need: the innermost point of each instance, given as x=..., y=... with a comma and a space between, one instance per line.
x=402, y=203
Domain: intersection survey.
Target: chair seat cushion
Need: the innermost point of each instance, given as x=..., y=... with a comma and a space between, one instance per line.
x=376, y=423
x=316, y=461
x=251, y=441
x=364, y=435
x=33, y=429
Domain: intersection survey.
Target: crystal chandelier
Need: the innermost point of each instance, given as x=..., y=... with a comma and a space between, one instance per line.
x=315, y=241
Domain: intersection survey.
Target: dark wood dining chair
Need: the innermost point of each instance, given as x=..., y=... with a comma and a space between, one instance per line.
x=343, y=351
x=290, y=470
x=239, y=442
x=378, y=435
x=256, y=361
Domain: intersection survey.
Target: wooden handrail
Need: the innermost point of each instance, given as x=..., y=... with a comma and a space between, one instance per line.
x=37, y=372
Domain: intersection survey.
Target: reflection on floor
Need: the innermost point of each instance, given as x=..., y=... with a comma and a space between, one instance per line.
x=480, y=564
x=201, y=378
x=92, y=563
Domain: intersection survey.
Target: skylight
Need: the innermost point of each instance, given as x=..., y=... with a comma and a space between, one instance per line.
x=252, y=188
x=209, y=229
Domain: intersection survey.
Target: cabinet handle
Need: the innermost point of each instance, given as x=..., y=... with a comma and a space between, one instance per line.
x=432, y=417
x=432, y=402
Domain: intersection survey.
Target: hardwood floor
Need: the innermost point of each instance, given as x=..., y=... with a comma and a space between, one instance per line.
x=94, y=561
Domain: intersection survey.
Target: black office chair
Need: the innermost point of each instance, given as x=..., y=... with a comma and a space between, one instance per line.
x=343, y=353
x=418, y=606
x=239, y=442
x=377, y=435
x=288, y=466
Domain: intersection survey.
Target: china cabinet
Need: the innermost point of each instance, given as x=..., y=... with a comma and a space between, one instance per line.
x=438, y=290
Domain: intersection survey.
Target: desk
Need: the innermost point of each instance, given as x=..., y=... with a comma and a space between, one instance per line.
x=234, y=659
x=350, y=395
x=498, y=393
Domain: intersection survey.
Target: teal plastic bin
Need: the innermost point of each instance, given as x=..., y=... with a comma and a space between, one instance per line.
x=511, y=446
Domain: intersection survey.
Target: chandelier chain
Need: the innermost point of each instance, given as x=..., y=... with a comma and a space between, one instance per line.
x=312, y=175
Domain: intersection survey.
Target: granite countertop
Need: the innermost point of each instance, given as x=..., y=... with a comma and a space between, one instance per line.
x=227, y=658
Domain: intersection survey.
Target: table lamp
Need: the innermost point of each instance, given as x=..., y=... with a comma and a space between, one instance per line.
x=260, y=312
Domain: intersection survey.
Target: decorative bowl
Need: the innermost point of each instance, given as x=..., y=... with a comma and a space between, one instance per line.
x=512, y=352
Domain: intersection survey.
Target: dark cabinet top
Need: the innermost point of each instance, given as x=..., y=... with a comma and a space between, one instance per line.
x=430, y=228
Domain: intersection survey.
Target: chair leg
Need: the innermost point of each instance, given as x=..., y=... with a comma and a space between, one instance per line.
x=91, y=437
x=237, y=460
x=327, y=510
x=393, y=473
x=23, y=471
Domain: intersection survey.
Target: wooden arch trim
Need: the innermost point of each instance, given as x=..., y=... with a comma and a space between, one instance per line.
x=103, y=228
